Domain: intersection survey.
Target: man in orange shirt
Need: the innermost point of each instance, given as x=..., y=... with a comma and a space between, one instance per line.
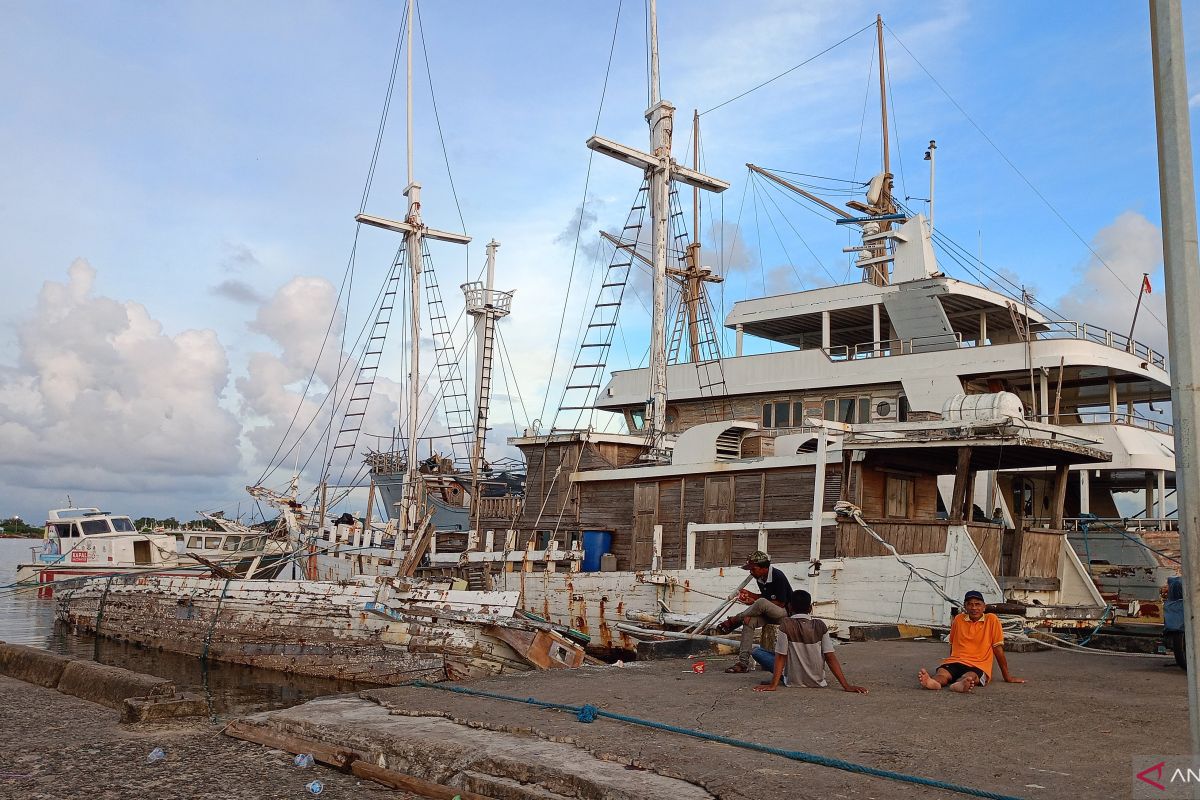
x=975, y=637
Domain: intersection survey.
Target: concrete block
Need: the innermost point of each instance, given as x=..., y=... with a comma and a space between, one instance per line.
x=109, y=686
x=1024, y=646
x=672, y=648
x=153, y=709
x=879, y=633
x=32, y=664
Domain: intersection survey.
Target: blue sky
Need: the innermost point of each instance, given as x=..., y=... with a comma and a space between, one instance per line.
x=206, y=159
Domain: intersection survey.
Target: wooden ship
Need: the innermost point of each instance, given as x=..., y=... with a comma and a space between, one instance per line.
x=378, y=631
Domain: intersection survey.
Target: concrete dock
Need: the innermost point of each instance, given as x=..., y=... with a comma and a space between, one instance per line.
x=1069, y=732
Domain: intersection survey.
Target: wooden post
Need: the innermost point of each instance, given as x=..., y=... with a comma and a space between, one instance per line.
x=961, y=475
x=1060, y=496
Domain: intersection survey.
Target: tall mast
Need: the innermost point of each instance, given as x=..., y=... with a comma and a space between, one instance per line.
x=486, y=305
x=883, y=93
x=412, y=250
x=414, y=231
x=661, y=169
x=661, y=119
x=693, y=255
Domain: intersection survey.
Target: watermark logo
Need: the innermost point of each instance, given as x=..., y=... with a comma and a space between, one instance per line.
x=1157, y=772
x=1165, y=777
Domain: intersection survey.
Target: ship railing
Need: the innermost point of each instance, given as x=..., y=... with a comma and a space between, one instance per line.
x=893, y=347
x=1072, y=329
x=1133, y=420
x=828, y=518
x=525, y=552
x=1052, y=329
x=1125, y=524
x=480, y=298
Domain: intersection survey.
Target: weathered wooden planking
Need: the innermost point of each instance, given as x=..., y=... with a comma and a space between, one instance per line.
x=1040, y=549
x=324, y=632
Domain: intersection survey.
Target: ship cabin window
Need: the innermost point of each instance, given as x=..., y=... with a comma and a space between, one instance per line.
x=637, y=419
x=123, y=525
x=848, y=409
x=902, y=409
x=195, y=543
x=93, y=526
x=212, y=542
x=231, y=543
x=899, y=496
x=250, y=543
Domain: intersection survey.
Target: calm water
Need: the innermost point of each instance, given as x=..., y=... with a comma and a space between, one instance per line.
x=231, y=689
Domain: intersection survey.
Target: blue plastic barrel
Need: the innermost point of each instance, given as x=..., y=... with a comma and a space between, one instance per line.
x=595, y=544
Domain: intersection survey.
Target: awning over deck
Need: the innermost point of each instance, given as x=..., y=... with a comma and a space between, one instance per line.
x=1002, y=444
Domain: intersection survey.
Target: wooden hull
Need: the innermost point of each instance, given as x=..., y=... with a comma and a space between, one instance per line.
x=305, y=627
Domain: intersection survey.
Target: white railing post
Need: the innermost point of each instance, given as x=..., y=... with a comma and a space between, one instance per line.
x=489, y=541
x=690, y=552
x=762, y=538
x=656, y=561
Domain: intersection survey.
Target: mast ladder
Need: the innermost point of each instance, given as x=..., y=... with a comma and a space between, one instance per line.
x=368, y=363
x=591, y=357
x=456, y=405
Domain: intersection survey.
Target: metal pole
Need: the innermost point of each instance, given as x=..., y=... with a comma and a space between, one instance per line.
x=1182, y=268
x=932, y=153
x=1138, y=307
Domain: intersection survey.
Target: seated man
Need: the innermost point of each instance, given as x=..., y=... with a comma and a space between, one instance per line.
x=802, y=649
x=765, y=608
x=975, y=637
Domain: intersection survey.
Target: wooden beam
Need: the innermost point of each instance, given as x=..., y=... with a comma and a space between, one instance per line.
x=409, y=783
x=961, y=474
x=336, y=757
x=1060, y=496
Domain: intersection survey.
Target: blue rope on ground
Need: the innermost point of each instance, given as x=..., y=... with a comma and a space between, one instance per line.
x=588, y=713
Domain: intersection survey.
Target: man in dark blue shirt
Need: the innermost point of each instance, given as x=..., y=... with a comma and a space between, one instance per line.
x=768, y=607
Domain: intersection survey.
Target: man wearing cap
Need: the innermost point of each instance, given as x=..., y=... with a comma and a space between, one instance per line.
x=768, y=607
x=976, y=638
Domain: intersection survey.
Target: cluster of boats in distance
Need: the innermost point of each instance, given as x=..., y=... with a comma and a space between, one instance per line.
x=910, y=436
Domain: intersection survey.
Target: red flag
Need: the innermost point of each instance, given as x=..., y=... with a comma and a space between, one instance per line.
x=1146, y=283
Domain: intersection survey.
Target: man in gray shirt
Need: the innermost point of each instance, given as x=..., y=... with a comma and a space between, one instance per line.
x=802, y=649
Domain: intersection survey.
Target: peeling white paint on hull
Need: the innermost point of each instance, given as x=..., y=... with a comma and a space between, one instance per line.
x=306, y=627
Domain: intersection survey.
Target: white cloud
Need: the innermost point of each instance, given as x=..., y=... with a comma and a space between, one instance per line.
x=102, y=400
x=1107, y=295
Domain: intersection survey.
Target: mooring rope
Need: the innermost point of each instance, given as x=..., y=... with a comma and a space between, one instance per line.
x=589, y=713
x=216, y=613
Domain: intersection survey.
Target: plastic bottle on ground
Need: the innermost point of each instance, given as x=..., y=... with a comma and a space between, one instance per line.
x=303, y=760
x=156, y=755
x=316, y=787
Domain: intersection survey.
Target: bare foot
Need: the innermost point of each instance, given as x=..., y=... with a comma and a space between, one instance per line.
x=927, y=681
x=965, y=684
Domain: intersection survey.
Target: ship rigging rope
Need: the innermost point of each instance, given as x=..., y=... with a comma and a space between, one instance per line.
x=441, y=138
x=588, y=713
x=844, y=508
x=790, y=70
x=579, y=223
x=1021, y=175
x=271, y=462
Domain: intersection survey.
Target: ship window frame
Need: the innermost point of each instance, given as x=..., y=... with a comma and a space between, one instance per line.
x=786, y=405
x=99, y=525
